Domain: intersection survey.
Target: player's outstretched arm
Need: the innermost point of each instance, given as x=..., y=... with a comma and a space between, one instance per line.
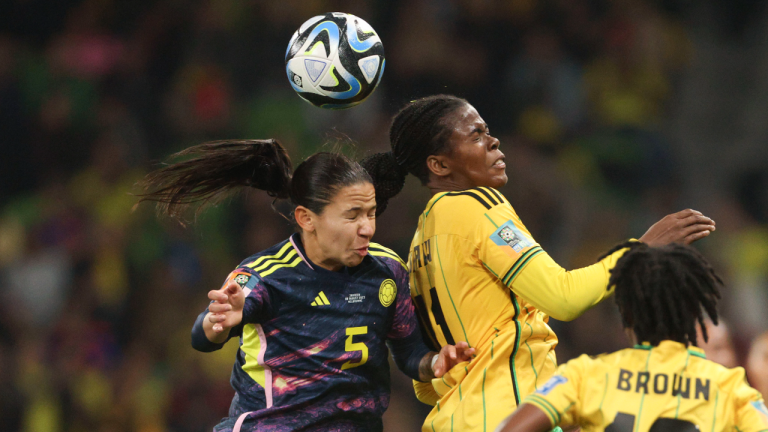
x=527, y=418
x=684, y=227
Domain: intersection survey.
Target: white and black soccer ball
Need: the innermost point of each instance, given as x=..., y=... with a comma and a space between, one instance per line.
x=334, y=60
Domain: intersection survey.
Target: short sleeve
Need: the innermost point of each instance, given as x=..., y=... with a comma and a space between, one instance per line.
x=258, y=301
x=505, y=246
x=559, y=397
x=751, y=413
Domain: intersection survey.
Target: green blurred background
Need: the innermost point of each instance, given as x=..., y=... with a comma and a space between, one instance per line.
x=612, y=114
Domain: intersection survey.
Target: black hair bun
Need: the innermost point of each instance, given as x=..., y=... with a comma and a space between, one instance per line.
x=387, y=175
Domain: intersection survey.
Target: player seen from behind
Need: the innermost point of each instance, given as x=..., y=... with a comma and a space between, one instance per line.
x=664, y=384
x=477, y=275
x=314, y=313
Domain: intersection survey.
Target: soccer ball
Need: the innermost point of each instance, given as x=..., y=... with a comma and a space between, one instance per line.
x=334, y=60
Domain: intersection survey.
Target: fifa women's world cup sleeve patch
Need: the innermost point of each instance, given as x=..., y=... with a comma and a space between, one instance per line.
x=551, y=384
x=511, y=239
x=508, y=248
x=243, y=278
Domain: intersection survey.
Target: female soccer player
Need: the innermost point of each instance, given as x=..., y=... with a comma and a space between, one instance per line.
x=665, y=384
x=314, y=313
x=477, y=274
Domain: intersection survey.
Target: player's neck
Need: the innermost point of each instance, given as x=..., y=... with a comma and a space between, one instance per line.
x=438, y=185
x=315, y=253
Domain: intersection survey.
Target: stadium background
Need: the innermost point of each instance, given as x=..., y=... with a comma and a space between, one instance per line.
x=611, y=114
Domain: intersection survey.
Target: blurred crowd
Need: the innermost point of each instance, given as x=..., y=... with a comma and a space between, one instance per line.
x=98, y=295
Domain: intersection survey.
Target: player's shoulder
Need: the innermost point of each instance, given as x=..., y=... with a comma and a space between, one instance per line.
x=728, y=379
x=283, y=255
x=386, y=258
x=462, y=203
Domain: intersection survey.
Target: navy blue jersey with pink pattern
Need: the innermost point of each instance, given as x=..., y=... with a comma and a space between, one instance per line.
x=313, y=342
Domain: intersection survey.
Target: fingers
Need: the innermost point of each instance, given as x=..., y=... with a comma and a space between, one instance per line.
x=438, y=370
x=233, y=288
x=697, y=219
x=695, y=236
x=218, y=296
x=219, y=307
x=682, y=214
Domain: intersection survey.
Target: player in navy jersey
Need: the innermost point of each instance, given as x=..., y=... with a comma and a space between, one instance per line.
x=314, y=313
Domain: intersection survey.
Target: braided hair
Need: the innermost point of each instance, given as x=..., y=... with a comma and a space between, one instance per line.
x=662, y=292
x=218, y=169
x=417, y=131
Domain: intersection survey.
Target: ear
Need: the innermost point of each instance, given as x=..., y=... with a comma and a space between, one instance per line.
x=305, y=218
x=438, y=165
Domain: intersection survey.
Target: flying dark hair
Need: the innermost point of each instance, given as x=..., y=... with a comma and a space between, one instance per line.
x=417, y=131
x=662, y=292
x=217, y=169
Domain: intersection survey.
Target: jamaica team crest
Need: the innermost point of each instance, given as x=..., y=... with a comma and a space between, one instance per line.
x=387, y=292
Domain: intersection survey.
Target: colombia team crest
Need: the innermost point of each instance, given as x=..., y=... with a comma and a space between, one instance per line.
x=387, y=292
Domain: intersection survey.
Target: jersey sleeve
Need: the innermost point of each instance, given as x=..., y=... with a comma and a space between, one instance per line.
x=507, y=249
x=751, y=413
x=258, y=301
x=559, y=398
x=505, y=246
x=257, y=309
x=425, y=393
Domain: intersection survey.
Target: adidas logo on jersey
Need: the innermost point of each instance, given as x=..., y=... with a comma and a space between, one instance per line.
x=321, y=300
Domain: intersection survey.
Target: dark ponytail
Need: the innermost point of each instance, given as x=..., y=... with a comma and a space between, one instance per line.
x=387, y=175
x=219, y=168
x=215, y=170
x=418, y=130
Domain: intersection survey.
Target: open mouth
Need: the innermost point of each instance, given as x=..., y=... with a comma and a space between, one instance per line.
x=363, y=251
x=500, y=163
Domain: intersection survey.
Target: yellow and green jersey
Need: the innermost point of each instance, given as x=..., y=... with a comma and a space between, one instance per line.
x=477, y=275
x=662, y=389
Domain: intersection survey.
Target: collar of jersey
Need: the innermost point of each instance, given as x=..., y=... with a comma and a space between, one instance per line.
x=695, y=351
x=345, y=271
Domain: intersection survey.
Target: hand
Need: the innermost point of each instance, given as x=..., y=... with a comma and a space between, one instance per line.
x=226, y=311
x=684, y=227
x=449, y=356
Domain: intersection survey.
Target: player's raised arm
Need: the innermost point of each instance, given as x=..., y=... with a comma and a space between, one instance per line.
x=533, y=275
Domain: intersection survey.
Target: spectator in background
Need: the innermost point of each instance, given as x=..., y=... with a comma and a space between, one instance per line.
x=757, y=364
x=719, y=346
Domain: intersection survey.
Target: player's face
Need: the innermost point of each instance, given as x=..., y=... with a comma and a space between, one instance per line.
x=346, y=225
x=474, y=156
x=718, y=347
x=757, y=364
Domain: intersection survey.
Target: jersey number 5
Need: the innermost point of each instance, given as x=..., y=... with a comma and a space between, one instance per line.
x=355, y=346
x=626, y=422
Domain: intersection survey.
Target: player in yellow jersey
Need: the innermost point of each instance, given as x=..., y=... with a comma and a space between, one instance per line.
x=665, y=383
x=477, y=275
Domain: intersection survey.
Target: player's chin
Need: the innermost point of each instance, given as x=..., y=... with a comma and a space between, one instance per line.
x=497, y=179
x=353, y=260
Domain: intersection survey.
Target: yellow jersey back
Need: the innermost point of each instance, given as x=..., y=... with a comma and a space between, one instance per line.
x=664, y=388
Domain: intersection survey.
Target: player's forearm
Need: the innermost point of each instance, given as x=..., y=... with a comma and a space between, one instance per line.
x=564, y=295
x=425, y=367
x=200, y=339
x=409, y=354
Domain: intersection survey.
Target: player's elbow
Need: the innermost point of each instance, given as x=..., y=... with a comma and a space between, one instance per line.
x=567, y=313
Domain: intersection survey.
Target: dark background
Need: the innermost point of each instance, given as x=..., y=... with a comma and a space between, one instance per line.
x=612, y=114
